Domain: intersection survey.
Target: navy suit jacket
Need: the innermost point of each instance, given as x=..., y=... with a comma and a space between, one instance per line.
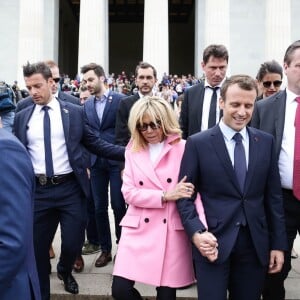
x=105, y=129
x=77, y=134
x=61, y=96
x=269, y=116
x=18, y=273
x=207, y=164
x=122, y=131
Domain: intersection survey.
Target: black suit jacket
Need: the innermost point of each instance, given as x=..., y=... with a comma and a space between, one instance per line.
x=191, y=110
x=122, y=134
x=78, y=134
x=207, y=164
x=269, y=116
x=61, y=96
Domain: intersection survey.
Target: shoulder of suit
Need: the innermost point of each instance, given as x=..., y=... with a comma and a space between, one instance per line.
x=70, y=105
x=195, y=87
x=68, y=98
x=259, y=133
x=281, y=95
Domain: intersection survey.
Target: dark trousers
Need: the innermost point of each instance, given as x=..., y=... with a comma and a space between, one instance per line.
x=123, y=289
x=65, y=204
x=274, y=286
x=241, y=276
x=104, y=174
x=91, y=228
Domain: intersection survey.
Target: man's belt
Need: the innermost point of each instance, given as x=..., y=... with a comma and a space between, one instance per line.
x=42, y=179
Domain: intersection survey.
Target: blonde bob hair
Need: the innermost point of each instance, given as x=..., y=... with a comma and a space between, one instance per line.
x=160, y=113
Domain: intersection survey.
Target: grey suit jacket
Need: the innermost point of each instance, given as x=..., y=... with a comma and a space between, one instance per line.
x=269, y=116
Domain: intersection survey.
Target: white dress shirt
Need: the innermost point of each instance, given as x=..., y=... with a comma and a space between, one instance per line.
x=208, y=91
x=35, y=137
x=228, y=134
x=286, y=156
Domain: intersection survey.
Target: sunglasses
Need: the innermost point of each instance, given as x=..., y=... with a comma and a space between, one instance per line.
x=276, y=83
x=56, y=80
x=152, y=125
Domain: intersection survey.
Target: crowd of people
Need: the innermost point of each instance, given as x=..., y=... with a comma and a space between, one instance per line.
x=202, y=175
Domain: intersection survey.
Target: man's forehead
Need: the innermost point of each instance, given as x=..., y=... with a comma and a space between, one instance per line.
x=145, y=71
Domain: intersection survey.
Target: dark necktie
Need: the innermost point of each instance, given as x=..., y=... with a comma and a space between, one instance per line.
x=47, y=143
x=240, y=165
x=213, y=108
x=296, y=173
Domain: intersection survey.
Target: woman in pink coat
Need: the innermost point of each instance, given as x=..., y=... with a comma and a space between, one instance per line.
x=153, y=248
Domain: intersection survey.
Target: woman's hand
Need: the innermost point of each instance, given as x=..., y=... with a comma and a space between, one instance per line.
x=183, y=189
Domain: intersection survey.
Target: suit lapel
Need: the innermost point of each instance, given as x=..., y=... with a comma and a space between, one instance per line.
x=279, y=114
x=200, y=106
x=27, y=115
x=65, y=116
x=107, y=107
x=253, y=153
x=90, y=109
x=222, y=153
x=143, y=162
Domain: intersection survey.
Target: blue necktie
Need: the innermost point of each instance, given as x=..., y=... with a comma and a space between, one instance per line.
x=240, y=165
x=47, y=143
x=212, y=117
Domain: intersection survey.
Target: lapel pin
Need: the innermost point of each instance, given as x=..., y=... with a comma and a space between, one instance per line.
x=256, y=139
x=110, y=99
x=65, y=111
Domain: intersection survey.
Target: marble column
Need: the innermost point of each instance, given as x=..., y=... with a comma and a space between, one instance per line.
x=31, y=34
x=51, y=29
x=277, y=29
x=211, y=27
x=93, y=33
x=156, y=35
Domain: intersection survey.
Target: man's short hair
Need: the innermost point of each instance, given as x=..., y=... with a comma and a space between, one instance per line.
x=245, y=82
x=37, y=68
x=218, y=51
x=145, y=65
x=99, y=71
x=290, y=51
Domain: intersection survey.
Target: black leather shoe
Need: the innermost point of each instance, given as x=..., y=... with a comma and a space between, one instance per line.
x=70, y=283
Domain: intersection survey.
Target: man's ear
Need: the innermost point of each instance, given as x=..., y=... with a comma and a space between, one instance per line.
x=221, y=103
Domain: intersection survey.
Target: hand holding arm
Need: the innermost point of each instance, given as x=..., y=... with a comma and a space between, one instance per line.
x=183, y=189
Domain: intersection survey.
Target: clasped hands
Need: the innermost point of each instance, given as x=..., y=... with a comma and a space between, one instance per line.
x=207, y=244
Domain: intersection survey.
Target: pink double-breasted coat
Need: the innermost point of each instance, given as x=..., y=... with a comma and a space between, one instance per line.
x=153, y=248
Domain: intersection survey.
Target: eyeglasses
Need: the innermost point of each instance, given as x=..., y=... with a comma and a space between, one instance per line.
x=144, y=126
x=276, y=83
x=56, y=80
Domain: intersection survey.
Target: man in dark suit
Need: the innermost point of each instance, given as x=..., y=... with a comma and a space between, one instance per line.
x=59, y=162
x=145, y=79
x=101, y=110
x=200, y=109
x=55, y=89
x=276, y=115
x=234, y=169
x=18, y=275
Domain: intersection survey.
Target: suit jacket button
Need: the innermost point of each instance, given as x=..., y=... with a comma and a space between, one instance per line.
x=169, y=180
x=165, y=221
x=141, y=182
x=146, y=220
